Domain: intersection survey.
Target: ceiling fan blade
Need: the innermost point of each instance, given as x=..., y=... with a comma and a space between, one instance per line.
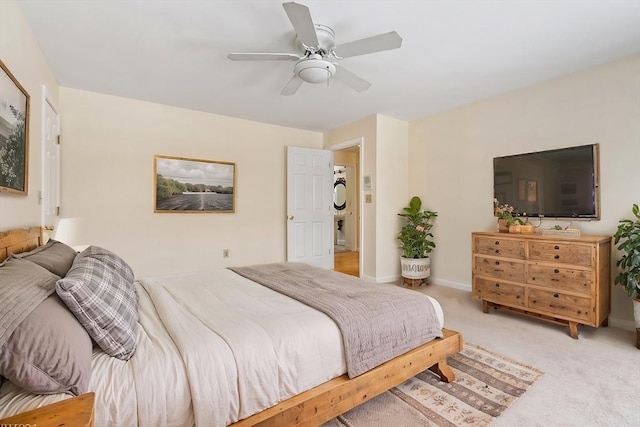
x=354, y=82
x=300, y=18
x=292, y=85
x=263, y=57
x=373, y=44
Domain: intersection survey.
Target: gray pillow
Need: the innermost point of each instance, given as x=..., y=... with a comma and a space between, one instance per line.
x=54, y=256
x=99, y=291
x=23, y=286
x=49, y=352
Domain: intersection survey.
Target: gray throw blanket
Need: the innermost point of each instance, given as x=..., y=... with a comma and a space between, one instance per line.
x=378, y=322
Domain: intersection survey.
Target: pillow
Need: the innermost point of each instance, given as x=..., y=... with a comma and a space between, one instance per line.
x=23, y=286
x=99, y=291
x=49, y=352
x=54, y=256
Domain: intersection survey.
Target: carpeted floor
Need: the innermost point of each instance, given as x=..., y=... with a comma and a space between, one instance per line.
x=486, y=384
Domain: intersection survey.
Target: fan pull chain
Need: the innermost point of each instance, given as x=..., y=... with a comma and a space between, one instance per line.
x=328, y=76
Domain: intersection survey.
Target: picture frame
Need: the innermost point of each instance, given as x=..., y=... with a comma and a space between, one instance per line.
x=14, y=134
x=188, y=185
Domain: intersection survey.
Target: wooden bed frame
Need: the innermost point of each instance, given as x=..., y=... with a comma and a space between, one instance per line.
x=328, y=400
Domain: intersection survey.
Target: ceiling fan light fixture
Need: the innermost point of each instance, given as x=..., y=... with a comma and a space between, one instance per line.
x=314, y=69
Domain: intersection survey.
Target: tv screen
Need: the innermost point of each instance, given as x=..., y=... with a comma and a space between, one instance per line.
x=560, y=183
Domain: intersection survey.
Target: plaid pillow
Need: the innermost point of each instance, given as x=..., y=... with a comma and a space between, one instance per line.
x=99, y=291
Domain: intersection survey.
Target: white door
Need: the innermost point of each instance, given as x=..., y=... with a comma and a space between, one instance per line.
x=310, y=206
x=51, y=167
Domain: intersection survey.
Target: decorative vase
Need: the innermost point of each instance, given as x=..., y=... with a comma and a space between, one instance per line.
x=527, y=228
x=502, y=226
x=415, y=268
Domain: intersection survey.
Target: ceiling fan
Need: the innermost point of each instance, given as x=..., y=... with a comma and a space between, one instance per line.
x=318, y=61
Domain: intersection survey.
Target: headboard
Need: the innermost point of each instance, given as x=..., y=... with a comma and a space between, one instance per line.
x=19, y=240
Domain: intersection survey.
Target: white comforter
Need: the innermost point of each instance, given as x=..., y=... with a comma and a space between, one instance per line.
x=212, y=349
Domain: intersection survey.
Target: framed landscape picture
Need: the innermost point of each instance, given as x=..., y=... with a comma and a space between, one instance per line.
x=184, y=185
x=14, y=134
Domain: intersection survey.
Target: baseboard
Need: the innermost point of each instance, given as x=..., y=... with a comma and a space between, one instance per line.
x=450, y=284
x=387, y=279
x=628, y=325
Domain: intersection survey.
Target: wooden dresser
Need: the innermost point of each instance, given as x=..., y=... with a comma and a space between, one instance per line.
x=563, y=281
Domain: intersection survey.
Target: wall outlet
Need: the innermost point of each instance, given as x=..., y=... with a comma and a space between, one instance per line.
x=225, y=253
x=367, y=198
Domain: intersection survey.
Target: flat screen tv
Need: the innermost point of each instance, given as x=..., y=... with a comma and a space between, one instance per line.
x=561, y=183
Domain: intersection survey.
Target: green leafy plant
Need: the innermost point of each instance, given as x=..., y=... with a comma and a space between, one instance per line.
x=415, y=236
x=506, y=212
x=629, y=234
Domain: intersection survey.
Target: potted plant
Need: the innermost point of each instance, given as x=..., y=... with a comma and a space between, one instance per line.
x=507, y=218
x=628, y=234
x=416, y=240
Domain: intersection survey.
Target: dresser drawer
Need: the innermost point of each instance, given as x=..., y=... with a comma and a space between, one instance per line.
x=499, y=247
x=566, y=253
x=499, y=292
x=499, y=268
x=562, y=305
x=560, y=278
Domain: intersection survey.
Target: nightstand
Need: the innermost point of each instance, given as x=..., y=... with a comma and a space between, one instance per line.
x=74, y=412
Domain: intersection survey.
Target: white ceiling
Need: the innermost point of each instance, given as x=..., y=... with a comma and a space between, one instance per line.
x=453, y=52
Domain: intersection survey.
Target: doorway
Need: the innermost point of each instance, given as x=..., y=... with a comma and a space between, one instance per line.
x=347, y=207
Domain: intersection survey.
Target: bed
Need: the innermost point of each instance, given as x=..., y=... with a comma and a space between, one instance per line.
x=290, y=363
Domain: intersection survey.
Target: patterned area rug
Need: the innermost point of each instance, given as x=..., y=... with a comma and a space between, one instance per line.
x=486, y=385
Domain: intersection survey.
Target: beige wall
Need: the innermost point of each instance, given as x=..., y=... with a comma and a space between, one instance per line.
x=385, y=156
x=107, y=179
x=392, y=157
x=451, y=157
x=22, y=56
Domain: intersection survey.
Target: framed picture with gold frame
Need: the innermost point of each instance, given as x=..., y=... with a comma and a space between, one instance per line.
x=186, y=185
x=14, y=134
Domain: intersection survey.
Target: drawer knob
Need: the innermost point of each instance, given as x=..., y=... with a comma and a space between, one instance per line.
x=556, y=247
x=497, y=285
x=557, y=256
x=497, y=262
x=497, y=251
x=556, y=295
x=556, y=271
x=497, y=242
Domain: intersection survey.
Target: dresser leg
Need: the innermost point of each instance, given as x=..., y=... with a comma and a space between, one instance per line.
x=573, y=330
x=486, y=306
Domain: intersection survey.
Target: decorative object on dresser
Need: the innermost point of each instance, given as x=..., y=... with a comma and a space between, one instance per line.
x=508, y=221
x=416, y=242
x=562, y=281
x=628, y=235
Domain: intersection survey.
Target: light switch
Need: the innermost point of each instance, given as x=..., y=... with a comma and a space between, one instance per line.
x=367, y=198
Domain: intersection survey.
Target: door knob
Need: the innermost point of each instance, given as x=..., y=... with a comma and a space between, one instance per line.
x=290, y=217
